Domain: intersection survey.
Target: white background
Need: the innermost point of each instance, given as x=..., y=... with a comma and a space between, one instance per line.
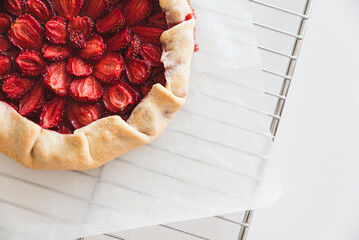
x=317, y=144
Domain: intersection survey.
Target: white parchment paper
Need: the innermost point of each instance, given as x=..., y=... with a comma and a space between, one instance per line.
x=213, y=159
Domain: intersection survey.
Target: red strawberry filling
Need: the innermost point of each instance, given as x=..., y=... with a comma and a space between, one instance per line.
x=52, y=113
x=66, y=63
x=5, y=22
x=113, y=22
x=148, y=33
x=77, y=39
x=55, y=53
x=26, y=33
x=87, y=89
x=138, y=71
x=15, y=86
x=136, y=11
x=78, y=67
x=33, y=100
x=94, y=48
x=94, y=8
x=68, y=8
x=81, y=115
x=5, y=44
x=56, y=78
x=56, y=30
x=14, y=7
x=134, y=47
x=119, y=97
x=5, y=64
x=119, y=40
x=42, y=10
x=152, y=54
x=31, y=63
x=82, y=24
x=158, y=20
x=109, y=68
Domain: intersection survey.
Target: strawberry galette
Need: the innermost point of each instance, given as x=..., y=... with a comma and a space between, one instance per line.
x=84, y=81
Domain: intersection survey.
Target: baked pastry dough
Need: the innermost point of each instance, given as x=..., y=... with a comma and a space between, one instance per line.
x=99, y=142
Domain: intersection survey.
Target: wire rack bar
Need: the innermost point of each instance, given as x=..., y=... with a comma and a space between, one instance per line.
x=245, y=225
x=276, y=116
x=184, y=232
x=115, y=237
x=280, y=9
x=243, y=232
x=277, y=52
x=277, y=74
x=275, y=95
x=297, y=36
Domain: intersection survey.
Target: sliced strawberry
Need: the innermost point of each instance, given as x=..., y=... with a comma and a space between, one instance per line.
x=15, y=86
x=113, y=22
x=147, y=33
x=134, y=47
x=5, y=44
x=83, y=24
x=120, y=97
x=33, y=100
x=55, y=53
x=109, y=68
x=42, y=10
x=152, y=54
x=138, y=71
x=94, y=49
x=56, y=79
x=160, y=78
x=64, y=127
x=77, y=39
x=68, y=8
x=159, y=20
x=26, y=33
x=78, y=67
x=56, y=30
x=14, y=7
x=119, y=40
x=52, y=113
x=136, y=11
x=5, y=64
x=80, y=114
x=86, y=89
x=95, y=8
x=31, y=63
x=5, y=22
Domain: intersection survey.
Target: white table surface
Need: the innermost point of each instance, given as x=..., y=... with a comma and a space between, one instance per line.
x=317, y=143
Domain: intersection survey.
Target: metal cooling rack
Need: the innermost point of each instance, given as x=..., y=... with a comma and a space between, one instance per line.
x=166, y=231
